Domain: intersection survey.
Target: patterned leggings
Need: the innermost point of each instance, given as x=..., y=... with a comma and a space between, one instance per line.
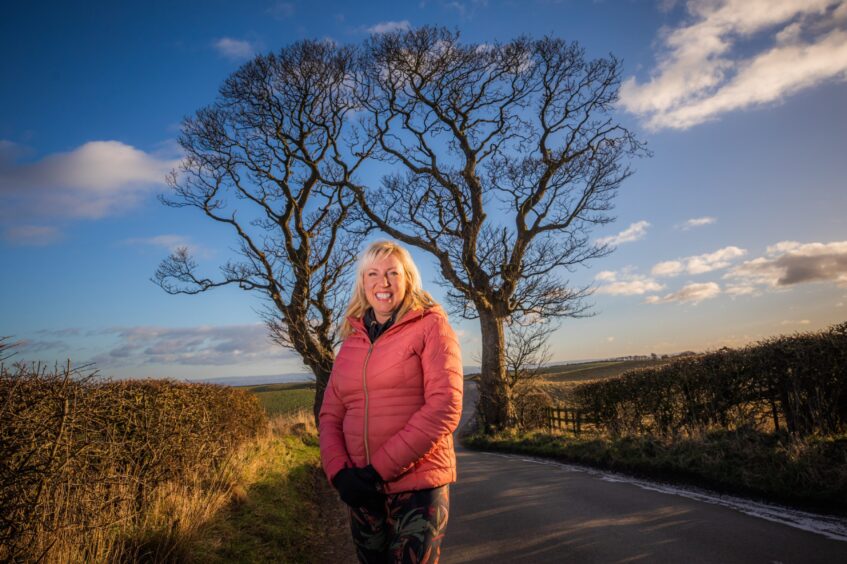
x=403, y=527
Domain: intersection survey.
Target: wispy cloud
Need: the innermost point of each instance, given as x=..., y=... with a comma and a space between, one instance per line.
x=203, y=345
x=697, y=222
x=792, y=322
x=234, y=49
x=282, y=10
x=789, y=263
x=703, y=73
x=625, y=283
x=465, y=8
x=699, y=264
x=632, y=233
x=691, y=293
x=389, y=27
x=95, y=180
x=170, y=242
x=31, y=235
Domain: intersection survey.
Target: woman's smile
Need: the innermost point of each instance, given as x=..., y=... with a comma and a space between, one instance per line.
x=385, y=286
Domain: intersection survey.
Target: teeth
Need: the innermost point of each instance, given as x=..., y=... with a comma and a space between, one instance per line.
x=383, y=296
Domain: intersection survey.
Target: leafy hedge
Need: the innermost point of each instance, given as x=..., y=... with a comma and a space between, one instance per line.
x=797, y=383
x=78, y=454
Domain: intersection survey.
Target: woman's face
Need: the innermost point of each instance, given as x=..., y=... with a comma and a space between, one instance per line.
x=385, y=286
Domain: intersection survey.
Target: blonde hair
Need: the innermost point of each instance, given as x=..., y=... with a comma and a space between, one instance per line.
x=416, y=297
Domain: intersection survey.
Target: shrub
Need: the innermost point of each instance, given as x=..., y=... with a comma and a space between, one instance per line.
x=82, y=458
x=794, y=382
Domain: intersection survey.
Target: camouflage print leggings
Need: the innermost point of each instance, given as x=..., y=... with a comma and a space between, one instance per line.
x=403, y=527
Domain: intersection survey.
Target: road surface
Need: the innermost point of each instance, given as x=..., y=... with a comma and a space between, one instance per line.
x=515, y=509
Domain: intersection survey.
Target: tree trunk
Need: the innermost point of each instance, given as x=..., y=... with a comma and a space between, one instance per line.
x=495, y=406
x=321, y=380
x=321, y=368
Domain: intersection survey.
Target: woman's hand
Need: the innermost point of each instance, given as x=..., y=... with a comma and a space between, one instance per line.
x=357, y=486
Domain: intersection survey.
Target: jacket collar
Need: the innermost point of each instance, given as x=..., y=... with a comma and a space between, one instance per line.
x=358, y=323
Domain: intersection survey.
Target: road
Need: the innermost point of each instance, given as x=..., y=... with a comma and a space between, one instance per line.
x=515, y=509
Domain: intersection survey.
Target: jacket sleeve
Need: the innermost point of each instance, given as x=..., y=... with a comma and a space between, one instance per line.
x=441, y=362
x=334, y=454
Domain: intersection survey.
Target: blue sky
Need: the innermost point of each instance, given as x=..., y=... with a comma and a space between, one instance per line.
x=732, y=232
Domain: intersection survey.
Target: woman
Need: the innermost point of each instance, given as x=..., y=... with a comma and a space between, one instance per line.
x=393, y=400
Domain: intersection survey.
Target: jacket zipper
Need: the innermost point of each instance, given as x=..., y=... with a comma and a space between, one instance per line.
x=365, y=386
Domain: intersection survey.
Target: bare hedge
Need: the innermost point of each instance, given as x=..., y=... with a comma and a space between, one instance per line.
x=796, y=383
x=79, y=454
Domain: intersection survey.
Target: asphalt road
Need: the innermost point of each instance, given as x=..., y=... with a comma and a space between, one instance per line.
x=511, y=509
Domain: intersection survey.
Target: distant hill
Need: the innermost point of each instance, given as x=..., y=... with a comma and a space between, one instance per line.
x=596, y=370
x=259, y=380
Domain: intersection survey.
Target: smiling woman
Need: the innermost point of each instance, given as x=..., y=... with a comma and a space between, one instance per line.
x=393, y=400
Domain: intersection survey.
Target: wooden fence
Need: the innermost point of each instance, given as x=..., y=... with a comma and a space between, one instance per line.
x=564, y=419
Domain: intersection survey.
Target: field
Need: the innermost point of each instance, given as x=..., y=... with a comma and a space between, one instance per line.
x=559, y=380
x=599, y=370
x=284, y=399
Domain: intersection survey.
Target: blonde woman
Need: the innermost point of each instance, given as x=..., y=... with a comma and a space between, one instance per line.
x=393, y=400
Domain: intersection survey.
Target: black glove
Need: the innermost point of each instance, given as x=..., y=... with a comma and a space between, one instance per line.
x=370, y=476
x=355, y=490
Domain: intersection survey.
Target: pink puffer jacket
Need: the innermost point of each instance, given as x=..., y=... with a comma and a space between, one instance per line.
x=396, y=403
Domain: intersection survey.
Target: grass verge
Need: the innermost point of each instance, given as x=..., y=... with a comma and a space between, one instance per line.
x=809, y=474
x=282, y=509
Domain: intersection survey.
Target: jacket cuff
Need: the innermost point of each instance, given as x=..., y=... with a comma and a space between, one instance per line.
x=334, y=467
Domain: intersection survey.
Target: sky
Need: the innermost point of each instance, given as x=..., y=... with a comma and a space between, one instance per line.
x=733, y=231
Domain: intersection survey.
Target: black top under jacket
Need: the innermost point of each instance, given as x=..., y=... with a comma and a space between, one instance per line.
x=375, y=328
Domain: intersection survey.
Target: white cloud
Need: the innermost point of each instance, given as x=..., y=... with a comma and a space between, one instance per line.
x=95, y=180
x=788, y=263
x=736, y=290
x=668, y=268
x=713, y=261
x=632, y=233
x=625, y=284
x=234, y=49
x=699, y=264
x=691, y=293
x=698, y=222
x=701, y=74
x=389, y=27
x=606, y=276
x=31, y=235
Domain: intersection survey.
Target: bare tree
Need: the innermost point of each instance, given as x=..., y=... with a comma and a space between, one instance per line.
x=508, y=155
x=6, y=347
x=526, y=351
x=265, y=160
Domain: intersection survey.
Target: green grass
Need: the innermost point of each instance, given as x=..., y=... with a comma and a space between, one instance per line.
x=276, y=518
x=285, y=398
x=810, y=473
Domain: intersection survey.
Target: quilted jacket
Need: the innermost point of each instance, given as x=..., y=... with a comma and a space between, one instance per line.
x=395, y=403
